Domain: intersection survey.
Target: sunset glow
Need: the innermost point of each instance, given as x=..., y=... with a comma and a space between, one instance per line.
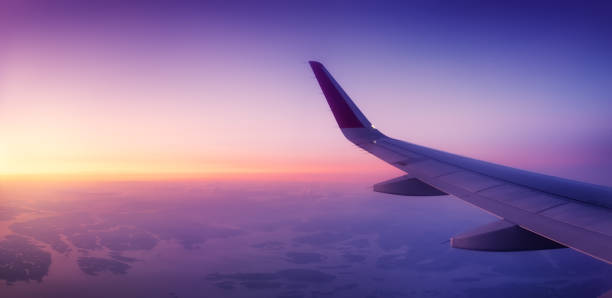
x=174, y=94
x=204, y=148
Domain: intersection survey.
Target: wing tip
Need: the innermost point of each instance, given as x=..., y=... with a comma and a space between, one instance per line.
x=339, y=102
x=316, y=65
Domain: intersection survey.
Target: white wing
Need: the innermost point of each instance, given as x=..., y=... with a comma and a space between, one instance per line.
x=536, y=211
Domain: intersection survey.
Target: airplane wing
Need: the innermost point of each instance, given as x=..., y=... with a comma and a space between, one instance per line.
x=536, y=211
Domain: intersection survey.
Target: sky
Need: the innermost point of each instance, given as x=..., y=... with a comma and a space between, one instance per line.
x=173, y=88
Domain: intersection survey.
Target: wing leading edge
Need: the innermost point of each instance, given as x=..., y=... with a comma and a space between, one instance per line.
x=537, y=211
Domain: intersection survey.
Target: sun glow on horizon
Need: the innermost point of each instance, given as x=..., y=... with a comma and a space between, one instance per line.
x=322, y=174
x=183, y=169
x=202, y=95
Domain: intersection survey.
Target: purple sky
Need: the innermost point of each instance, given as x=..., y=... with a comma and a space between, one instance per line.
x=166, y=86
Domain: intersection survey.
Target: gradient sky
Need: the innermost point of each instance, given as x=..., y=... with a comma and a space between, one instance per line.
x=167, y=87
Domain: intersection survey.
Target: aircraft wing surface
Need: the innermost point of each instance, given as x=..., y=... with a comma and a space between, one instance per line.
x=536, y=211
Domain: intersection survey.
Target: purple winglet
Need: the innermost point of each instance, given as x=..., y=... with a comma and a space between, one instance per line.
x=343, y=113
